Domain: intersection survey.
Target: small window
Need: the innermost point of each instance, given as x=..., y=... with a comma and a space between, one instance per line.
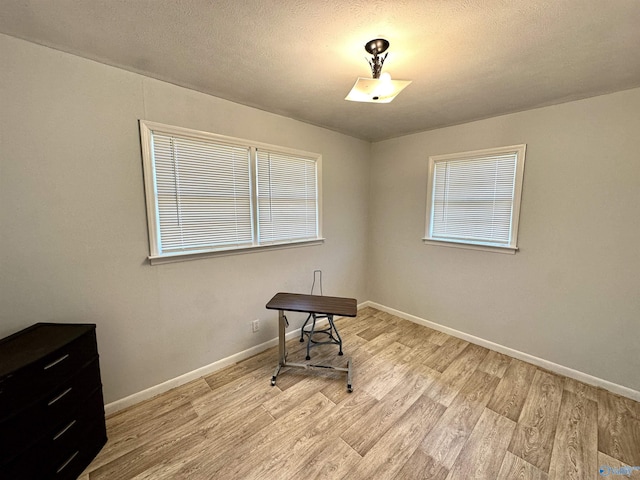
x=208, y=193
x=473, y=198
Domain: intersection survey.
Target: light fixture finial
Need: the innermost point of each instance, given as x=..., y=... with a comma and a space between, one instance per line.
x=375, y=48
x=376, y=89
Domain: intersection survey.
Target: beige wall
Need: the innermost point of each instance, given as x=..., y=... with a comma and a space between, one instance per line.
x=571, y=295
x=73, y=233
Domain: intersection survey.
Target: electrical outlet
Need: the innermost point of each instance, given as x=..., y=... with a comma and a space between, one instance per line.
x=255, y=325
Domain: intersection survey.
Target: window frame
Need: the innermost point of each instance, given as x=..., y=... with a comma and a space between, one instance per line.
x=520, y=152
x=156, y=255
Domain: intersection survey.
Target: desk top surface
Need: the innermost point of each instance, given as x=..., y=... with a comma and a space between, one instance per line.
x=298, y=302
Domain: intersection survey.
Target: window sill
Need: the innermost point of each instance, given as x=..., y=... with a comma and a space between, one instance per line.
x=198, y=254
x=471, y=246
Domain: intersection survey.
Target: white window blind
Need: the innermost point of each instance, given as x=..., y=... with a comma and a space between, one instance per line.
x=203, y=193
x=208, y=193
x=474, y=197
x=287, y=197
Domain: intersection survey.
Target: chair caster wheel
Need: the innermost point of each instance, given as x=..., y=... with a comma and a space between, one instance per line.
x=349, y=389
x=302, y=340
x=308, y=357
x=273, y=382
x=340, y=353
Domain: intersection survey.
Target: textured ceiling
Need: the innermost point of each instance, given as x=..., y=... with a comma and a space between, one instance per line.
x=468, y=59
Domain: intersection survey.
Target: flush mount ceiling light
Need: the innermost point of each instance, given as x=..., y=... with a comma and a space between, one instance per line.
x=380, y=88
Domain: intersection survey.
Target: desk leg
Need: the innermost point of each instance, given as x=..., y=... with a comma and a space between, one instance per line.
x=282, y=355
x=282, y=346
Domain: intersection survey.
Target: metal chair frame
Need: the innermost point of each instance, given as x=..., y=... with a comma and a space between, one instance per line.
x=333, y=337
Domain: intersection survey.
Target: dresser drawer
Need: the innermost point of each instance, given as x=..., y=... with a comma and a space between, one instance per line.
x=39, y=463
x=79, y=455
x=62, y=402
x=26, y=466
x=51, y=408
x=37, y=379
x=52, y=412
x=20, y=432
x=63, y=440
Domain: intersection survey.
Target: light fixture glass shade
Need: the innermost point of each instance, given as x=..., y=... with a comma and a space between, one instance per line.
x=376, y=90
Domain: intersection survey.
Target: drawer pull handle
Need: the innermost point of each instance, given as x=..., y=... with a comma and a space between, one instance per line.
x=64, y=430
x=67, y=462
x=51, y=402
x=54, y=363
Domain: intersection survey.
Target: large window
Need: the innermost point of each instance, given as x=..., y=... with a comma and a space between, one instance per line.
x=208, y=193
x=473, y=198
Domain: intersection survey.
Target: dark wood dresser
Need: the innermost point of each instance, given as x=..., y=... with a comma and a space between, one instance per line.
x=51, y=406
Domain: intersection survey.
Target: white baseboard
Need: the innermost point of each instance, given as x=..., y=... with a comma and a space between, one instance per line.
x=151, y=392
x=113, y=407
x=540, y=362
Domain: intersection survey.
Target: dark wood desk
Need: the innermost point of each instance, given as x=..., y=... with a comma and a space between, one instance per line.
x=318, y=304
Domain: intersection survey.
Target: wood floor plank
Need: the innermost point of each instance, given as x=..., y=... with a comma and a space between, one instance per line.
x=420, y=352
x=415, y=366
x=619, y=427
x=386, y=356
x=122, y=441
x=515, y=468
x=535, y=433
x=308, y=386
x=367, y=311
x=495, y=364
x=439, y=338
x=385, y=413
x=512, y=391
x=381, y=373
x=348, y=326
x=574, y=455
x=482, y=455
x=138, y=460
x=420, y=466
x=337, y=392
x=443, y=357
x=233, y=372
x=373, y=330
x=457, y=374
x=376, y=324
x=333, y=462
x=581, y=389
x=141, y=413
x=379, y=343
x=384, y=381
x=221, y=428
x=387, y=317
x=387, y=457
x=414, y=335
x=140, y=424
x=259, y=448
x=256, y=448
x=290, y=453
x=289, y=377
x=445, y=441
x=253, y=388
x=221, y=437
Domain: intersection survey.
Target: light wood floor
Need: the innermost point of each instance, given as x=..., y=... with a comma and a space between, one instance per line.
x=425, y=405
